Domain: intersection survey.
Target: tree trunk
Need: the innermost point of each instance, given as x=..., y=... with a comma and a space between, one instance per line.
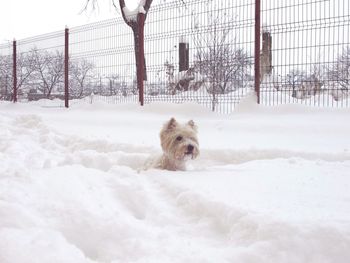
x=137, y=28
x=137, y=43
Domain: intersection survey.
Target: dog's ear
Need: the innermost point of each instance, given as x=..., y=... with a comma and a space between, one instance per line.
x=192, y=125
x=171, y=124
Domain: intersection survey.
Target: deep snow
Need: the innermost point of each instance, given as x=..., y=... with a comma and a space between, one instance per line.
x=271, y=185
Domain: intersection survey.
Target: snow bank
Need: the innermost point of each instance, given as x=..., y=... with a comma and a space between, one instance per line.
x=271, y=185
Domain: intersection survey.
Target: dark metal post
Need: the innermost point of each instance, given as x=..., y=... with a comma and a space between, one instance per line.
x=66, y=68
x=14, y=70
x=257, y=50
x=141, y=54
x=183, y=55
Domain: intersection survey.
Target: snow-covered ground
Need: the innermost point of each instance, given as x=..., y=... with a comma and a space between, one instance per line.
x=270, y=185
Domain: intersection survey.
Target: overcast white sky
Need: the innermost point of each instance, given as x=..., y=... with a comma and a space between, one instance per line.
x=25, y=18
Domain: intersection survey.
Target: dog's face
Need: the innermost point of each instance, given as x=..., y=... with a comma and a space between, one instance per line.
x=179, y=141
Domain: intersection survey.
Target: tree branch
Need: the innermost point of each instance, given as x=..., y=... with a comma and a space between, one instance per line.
x=147, y=5
x=122, y=6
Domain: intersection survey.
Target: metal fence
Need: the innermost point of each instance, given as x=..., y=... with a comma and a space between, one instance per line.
x=306, y=52
x=195, y=51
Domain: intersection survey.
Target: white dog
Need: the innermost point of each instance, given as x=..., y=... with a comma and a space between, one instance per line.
x=179, y=143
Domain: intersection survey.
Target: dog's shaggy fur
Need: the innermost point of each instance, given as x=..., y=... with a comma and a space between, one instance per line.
x=179, y=143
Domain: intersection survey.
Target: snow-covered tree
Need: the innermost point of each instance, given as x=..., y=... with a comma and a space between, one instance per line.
x=48, y=70
x=224, y=64
x=135, y=19
x=25, y=68
x=80, y=77
x=294, y=79
x=6, y=87
x=339, y=76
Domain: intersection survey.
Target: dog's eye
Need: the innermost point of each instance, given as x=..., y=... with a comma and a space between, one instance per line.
x=179, y=138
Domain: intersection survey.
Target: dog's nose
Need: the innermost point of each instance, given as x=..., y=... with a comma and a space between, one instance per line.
x=190, y=148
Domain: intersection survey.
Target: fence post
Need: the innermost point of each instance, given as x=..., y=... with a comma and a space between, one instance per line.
x=66, y=67
x=257, y=51
x=141, y=67
x=14, y=70
x=183, y=54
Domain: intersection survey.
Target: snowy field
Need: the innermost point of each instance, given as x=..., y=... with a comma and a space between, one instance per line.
x=271, y=185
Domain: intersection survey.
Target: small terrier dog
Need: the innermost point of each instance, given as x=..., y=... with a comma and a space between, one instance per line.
x=179, y=143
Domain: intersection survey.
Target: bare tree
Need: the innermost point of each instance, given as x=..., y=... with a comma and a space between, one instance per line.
x=225, y=68
x=339, y=75
x=294, y=79
x=48, y=71
x=80, y=76
x=6, y=86
x=114, y=84
x=25, y=68
x=224, y=64
x=303, y=84
x=135, y=19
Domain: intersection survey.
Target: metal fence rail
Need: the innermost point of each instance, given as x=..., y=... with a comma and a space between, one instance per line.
x=200, y=51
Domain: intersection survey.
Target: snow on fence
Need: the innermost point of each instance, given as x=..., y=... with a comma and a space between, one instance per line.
x=199, y=51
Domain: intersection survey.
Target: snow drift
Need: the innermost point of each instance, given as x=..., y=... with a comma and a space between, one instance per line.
x=271, y=185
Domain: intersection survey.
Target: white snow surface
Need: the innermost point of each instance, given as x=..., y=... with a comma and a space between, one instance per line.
x=272, y=184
